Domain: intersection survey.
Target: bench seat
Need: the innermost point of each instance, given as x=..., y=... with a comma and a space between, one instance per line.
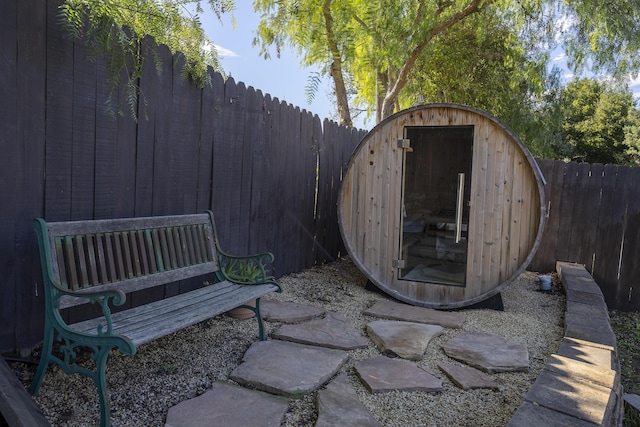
x=151, y=321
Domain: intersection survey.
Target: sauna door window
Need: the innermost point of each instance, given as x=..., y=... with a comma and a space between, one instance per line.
x=435, y=204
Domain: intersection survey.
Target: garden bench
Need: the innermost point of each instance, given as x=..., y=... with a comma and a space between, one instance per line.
x=100, y=261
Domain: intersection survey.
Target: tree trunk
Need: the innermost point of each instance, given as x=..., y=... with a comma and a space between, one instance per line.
x=342, y=100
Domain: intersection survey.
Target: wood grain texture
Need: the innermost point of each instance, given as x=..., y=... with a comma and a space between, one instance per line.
x=505, y=220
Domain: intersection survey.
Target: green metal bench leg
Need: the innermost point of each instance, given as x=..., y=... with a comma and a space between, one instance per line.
x=259, y=319
x=47, y=346
x=101, y=382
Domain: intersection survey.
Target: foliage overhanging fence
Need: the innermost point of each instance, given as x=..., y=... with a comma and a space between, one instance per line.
x=268, y=170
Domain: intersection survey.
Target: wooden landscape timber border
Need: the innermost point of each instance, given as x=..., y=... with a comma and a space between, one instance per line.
x=16, y=405
x=581, y=384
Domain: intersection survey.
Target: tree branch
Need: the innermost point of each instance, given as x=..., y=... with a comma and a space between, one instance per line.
x=393, y=92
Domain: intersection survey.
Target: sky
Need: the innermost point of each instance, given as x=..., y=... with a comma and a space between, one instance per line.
x=284, y=78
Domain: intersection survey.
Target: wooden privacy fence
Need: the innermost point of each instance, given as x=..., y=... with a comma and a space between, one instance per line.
x=268, y=170
x=594, y=219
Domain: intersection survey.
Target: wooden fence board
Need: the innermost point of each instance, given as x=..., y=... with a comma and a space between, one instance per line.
x=592, y=215
x=31, y=77
x=276, y=164
x=218, y=136
x=124, y=172
x=233, y=192
x=59, y=104
x=323, y=242
x=208, y=123
x=245, y=182
x=105, y=160
x=9, y=144
x=185, y=129
x=610, y=232
x=162, y=106
x=296, y=210
x=149, y=86
x=566, y=207
x=628, y=296
x=256, y=172
x=308, y=164
x=224, y=165
x=82, y=133
x=580, y=206
x=291, y=136
x=546, y=255
x=276, y=128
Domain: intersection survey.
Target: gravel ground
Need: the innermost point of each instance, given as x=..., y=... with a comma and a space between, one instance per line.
x=184, y=365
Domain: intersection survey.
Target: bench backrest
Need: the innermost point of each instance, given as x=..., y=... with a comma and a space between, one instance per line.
x=129, y=254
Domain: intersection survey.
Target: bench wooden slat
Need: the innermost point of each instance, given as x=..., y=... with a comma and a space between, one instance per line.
x=101, y=259
x=70, y=263
x=81, y=265
x=123, y=224
x=118, y=256
x=136, y=265
x=197, y=242
x=127, y=255
x=111, y=260
x=163, y=253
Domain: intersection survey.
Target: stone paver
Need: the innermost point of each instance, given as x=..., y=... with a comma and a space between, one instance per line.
x=338, y=405
x=286, y=368
x=586, y=353
x=467, y=378
x=529, y=415
x=386, y=309
x=573, y=368
x=230, y=406
x=288, y=312
x=408, y=340
x=589, y=329
x=333, y=331
x=572, y=396
x=382, y=374
x=488, y=352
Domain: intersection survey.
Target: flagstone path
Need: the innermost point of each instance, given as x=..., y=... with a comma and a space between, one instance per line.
x=309, y=348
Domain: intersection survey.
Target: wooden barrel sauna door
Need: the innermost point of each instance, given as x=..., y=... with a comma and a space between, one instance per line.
x=435, y=204
x=441, y=206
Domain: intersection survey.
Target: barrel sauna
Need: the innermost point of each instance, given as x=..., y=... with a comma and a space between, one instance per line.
x=441, y=206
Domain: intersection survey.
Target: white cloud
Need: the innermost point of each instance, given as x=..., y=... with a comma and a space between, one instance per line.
x=559, y=57
x=224, y=52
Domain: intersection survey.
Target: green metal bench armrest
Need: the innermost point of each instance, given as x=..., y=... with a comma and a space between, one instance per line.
x=247, y=270
x=103, y=298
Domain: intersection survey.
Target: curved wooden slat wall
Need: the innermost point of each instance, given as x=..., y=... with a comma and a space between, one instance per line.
x=506, y=214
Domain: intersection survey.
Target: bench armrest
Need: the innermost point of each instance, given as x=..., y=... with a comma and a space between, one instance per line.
x=247, y=270
x=104, y=298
